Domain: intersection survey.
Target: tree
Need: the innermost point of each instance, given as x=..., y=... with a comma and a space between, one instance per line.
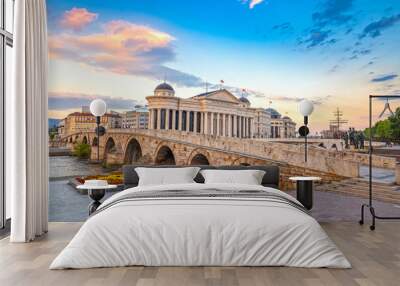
x=81, y=150
x=367, y=132
x=388, y=129
x=383, y=129
x=395, y=124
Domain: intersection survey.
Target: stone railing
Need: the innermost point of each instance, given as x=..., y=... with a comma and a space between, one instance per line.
x=377, y=161
x=318, y=159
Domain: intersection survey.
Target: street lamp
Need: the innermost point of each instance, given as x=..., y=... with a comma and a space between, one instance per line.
x=306, y=107
x=98, y=108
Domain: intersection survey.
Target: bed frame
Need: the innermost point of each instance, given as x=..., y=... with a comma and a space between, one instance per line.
x=270, y=179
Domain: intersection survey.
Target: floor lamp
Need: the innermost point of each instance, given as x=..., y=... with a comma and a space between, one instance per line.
x=370, y=205
x=98, y=108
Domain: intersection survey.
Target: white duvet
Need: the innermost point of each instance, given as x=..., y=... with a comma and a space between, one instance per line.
x=200, y=231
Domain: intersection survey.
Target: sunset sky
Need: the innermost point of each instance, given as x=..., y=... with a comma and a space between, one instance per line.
x=334, y=52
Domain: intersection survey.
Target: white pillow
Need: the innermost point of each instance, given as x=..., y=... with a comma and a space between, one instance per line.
x=247, y=177
x=166, y=176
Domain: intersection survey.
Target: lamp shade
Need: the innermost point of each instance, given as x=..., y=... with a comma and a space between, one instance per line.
x=306, y=107
x=98, y=107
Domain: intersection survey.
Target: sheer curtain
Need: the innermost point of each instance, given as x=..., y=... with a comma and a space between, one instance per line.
x=27, y=127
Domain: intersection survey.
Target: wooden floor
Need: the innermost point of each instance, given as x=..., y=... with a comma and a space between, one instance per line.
x=375, y=257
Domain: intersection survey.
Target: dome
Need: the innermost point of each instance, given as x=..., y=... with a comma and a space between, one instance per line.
x=273, y=113
x=164, y=89
x=164, y=86
x=244, y=100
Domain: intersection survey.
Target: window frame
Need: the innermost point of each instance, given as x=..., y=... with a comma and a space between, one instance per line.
x=6, y=39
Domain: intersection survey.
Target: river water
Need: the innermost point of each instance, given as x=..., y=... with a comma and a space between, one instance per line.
x=65, y=203
x=61, y=167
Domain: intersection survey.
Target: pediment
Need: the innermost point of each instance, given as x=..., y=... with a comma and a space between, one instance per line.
x=223, y=95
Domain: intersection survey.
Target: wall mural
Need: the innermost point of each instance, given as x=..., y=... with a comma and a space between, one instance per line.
x=220, y=83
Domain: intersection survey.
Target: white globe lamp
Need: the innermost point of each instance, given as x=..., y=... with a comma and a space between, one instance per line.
x=98, y=107
x=306, y=107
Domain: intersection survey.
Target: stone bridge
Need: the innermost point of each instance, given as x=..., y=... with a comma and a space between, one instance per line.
x=139, y=146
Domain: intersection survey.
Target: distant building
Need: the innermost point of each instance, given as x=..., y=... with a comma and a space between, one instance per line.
x=281, y=127
x=262, y=123
x=115, y=119
x=217, y=112
x=137, y=118
x=332, y=133
x=86, y=122
x=85, y=109
x=289, y=128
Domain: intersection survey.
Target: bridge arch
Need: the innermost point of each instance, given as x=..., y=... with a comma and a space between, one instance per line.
x=199, y=157
x=94, y=141
x=133, y=151
x=109, y=148
x=164, y=155
x=85, y=140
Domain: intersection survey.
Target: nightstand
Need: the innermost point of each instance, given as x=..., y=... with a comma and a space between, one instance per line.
x=304, y=193
x=96, y=193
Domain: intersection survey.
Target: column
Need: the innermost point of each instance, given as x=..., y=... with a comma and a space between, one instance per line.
x=241, y=126
x=238, y=126
x=218, y=124
x=246, y=127
x=205, y=122
x=195, y=122
x=149, y=121
x=180, y=121
x=251, y=127
x=223, y=125
x=173, y=119
x=234, y=126
x=229, y=125
x=166, y=119
x=212, y=124
x=158, y=118
x=201, y=122
x=187, y=120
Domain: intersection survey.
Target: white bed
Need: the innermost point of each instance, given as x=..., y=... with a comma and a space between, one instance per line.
x=202, y=231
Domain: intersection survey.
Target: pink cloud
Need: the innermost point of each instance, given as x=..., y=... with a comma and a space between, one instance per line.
x=252, y=3
x=121, y=47
x=124, y=48
x=77, y=18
